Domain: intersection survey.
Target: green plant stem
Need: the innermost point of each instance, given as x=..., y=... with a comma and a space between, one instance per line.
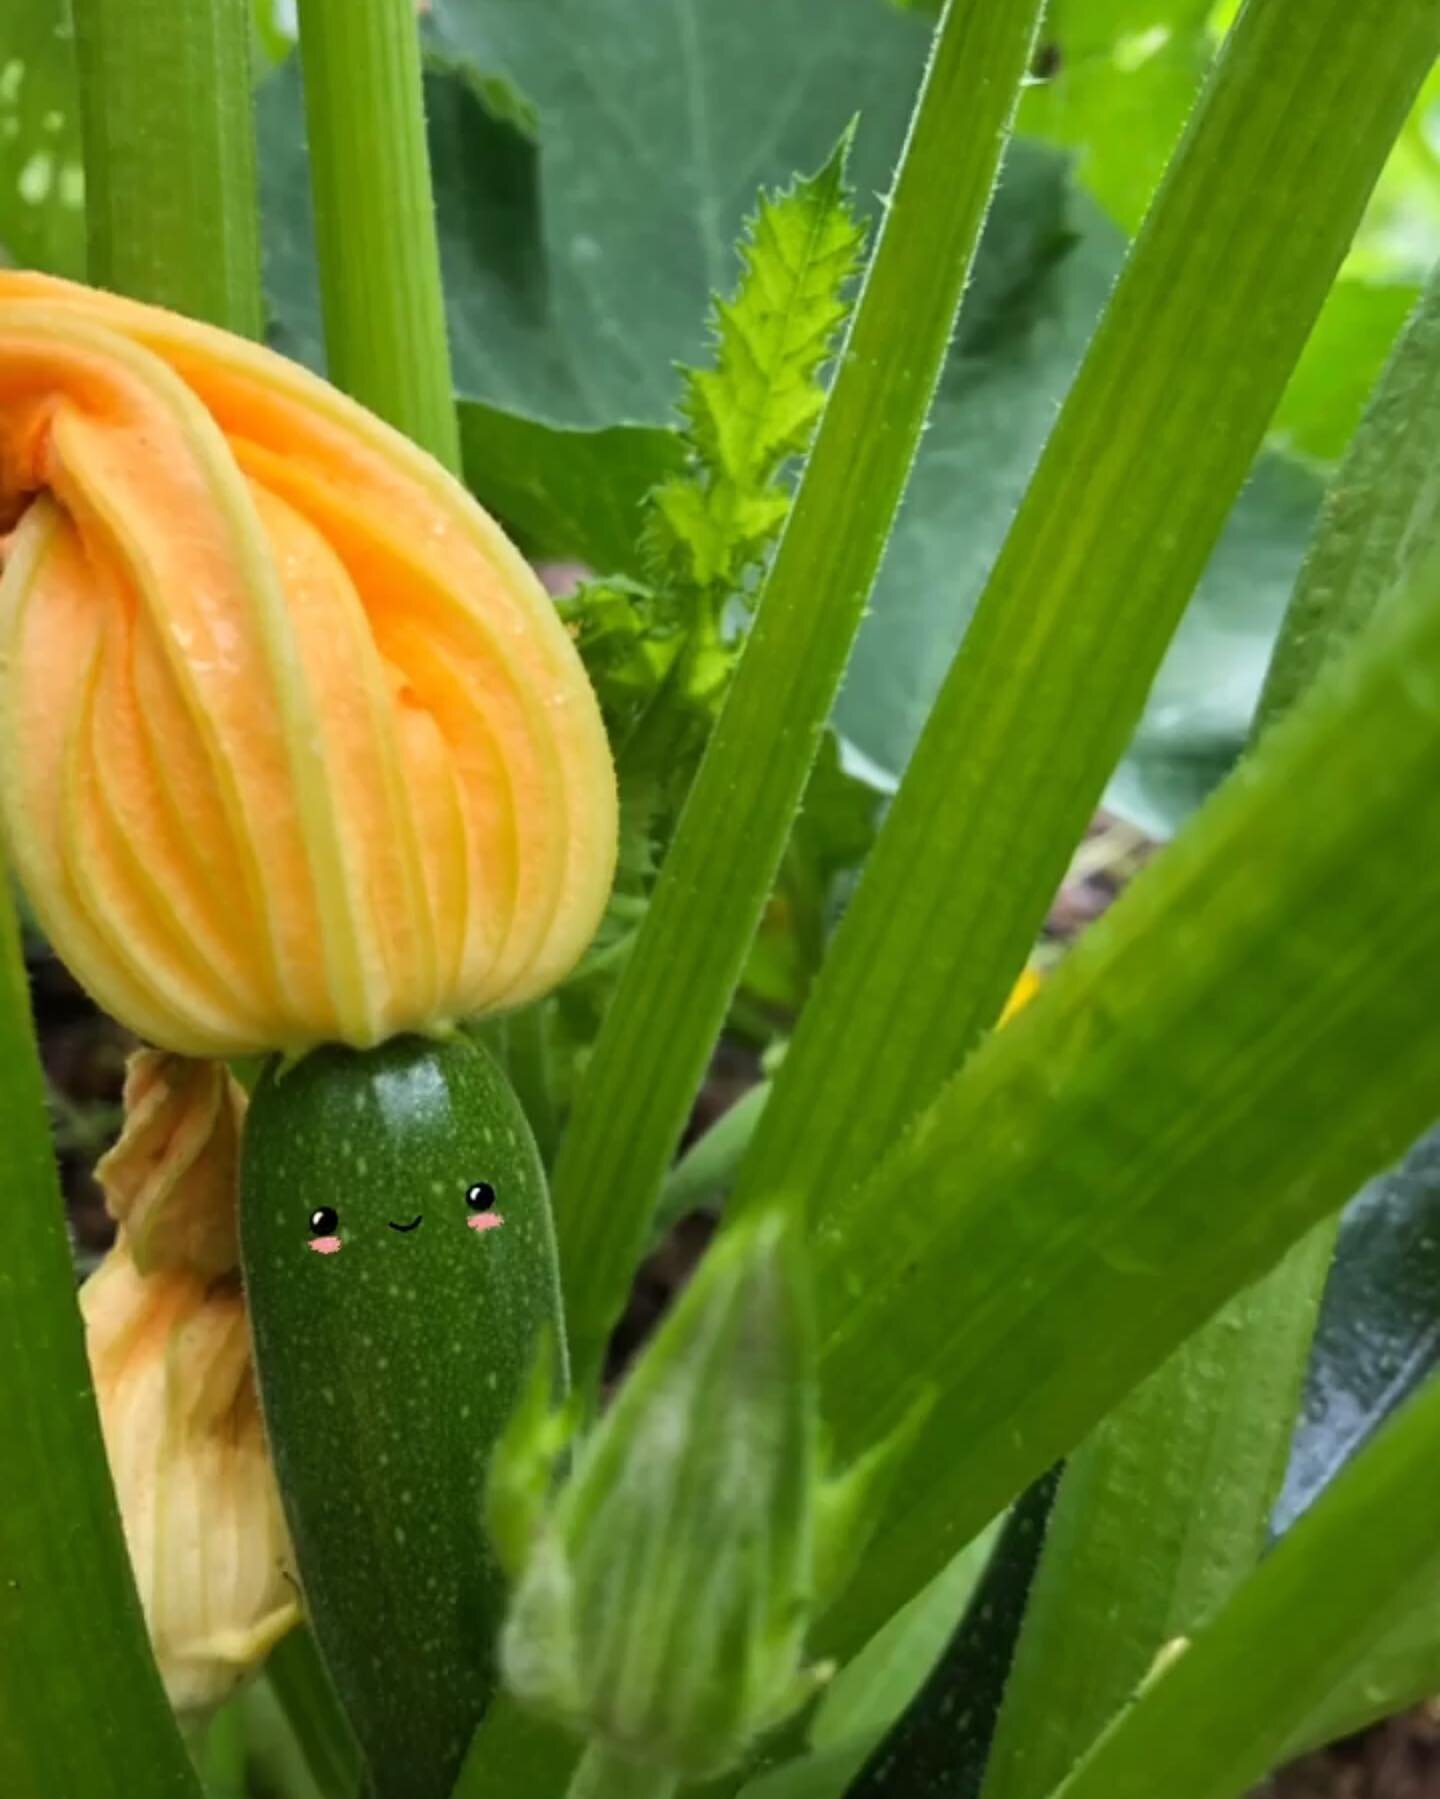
x=81, y=1705
x=222, y=1755
x=169, y=162
x=516, y=1751
x=706, y=1172
x=1154, y=441
x=1255, y=1014
x=1165, y=1511
x=1162, y=1515
x=303, y=1688
x=604, y=1775
x=375, y=232
x=170, y=155
x=1381, y=515
x=1222, y=1714
x=671, y=1003
x=276, y=1762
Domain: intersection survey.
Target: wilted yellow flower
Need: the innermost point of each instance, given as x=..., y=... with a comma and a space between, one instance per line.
x=293, y=746
x=170, y=1357
x=169, y=1346
x=171, y=1180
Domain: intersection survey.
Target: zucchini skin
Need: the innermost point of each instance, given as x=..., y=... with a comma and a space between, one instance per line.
x=388, y=1367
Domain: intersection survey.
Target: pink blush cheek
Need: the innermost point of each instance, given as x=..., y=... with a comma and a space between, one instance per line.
x=485, y=1221
x=325, y=1246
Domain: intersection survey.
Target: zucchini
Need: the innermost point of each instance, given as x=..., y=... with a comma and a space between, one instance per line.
x=400, y=1267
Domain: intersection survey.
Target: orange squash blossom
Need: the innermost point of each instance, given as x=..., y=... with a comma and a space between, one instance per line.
x=293, y=747
x=169, y=1345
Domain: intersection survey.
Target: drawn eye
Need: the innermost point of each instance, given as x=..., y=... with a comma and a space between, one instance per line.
x=324, y=1221
x=480, y=1197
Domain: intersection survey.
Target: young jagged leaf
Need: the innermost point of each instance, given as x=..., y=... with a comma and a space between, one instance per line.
x=756, y=408
x=661, y=652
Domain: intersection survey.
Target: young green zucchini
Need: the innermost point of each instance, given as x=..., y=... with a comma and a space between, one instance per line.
x=400, y=1267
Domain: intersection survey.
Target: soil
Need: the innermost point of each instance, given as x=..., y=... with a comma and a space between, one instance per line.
x=1396, y=1760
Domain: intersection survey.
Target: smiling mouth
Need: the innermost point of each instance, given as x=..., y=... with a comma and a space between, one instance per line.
x=414, y=1224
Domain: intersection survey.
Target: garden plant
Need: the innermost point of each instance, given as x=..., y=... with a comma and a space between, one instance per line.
x=934, y=424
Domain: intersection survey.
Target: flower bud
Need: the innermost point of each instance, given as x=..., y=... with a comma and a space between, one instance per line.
x=172, y=1179
x=664, y=1594
x=293, y=746
x=170, y=1357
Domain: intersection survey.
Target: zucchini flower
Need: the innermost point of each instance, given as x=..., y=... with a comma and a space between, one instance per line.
x=171, y=1180
x=293, y=746
x=169, y=1347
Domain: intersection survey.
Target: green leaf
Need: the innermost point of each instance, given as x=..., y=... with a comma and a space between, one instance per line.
x=1162, y=1514
x=705, y=1173
x=721, y=866
x=1325, y=1597
x=42, y=184
x=1198, y=711
x=275, y=28
x=661, y=655
x=82, y=1709
x=501, y=98
x=487, y=203
x=1267, y=1064
x=1023, y=327
x=1151, y=447
x=870, y=1692
x=1378, y=1338
x=1378, y=1341
x=756, y=408
x=825, y=1774
x=656, y=129
x=1119, y=82
x=1341, y=364
x=567, y=491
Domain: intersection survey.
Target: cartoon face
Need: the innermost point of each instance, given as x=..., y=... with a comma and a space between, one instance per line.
x=326, y=1227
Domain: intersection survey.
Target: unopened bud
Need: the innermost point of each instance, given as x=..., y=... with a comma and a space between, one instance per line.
x=663, y=1603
